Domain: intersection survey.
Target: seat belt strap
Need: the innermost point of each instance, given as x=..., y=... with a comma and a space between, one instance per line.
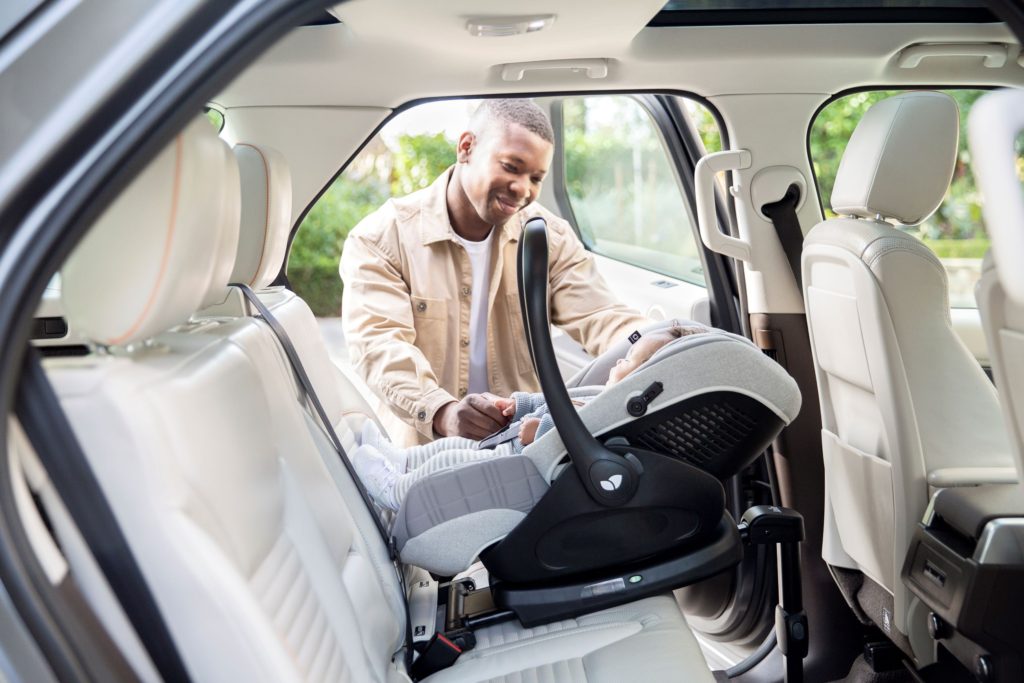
x=311, y=395
x=782, y=214
x=47, y=428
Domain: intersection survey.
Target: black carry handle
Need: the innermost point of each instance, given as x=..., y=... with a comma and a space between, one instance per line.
x=609, y=478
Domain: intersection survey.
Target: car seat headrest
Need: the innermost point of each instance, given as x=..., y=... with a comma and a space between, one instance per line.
x=596, y=371
x=266, y=214
x=899, y=161
x=163, y=249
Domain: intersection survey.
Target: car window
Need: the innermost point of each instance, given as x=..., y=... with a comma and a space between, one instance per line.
x=623, y=189
x=407, y=154
x=955, y=232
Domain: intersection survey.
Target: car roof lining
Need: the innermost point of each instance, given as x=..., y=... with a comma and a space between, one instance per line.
x=422, y=51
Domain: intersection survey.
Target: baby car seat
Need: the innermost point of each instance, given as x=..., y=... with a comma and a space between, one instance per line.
x=624, y=498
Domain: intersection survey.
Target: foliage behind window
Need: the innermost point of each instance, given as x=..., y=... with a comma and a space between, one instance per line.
x=378, y=173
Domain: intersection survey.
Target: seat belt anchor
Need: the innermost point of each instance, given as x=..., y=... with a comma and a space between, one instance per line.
x=439, y=653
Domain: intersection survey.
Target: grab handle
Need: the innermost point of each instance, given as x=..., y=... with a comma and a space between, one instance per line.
x=609, y=478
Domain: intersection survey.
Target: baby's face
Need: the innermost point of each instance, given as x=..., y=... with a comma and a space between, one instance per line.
x=638, y=354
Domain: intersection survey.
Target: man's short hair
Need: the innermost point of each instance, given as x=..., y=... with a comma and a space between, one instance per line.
x=523, y=112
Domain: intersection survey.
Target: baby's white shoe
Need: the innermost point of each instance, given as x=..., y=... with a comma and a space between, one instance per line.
x=371, y=436
x=378, y=474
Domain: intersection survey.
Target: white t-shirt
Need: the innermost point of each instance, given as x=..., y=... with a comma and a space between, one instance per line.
x=480, y=262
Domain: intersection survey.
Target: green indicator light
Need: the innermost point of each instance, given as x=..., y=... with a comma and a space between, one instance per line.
x=636, y=578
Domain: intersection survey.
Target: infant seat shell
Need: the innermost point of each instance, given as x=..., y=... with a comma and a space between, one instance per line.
x=721, y=402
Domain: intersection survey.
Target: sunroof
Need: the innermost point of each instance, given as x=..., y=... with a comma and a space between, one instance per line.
x=709, y=12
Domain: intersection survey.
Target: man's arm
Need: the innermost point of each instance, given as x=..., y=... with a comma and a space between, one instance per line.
x=581, y=302
x=376, y=315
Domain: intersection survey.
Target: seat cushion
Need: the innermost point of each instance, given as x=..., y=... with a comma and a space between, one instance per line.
x=645, y=641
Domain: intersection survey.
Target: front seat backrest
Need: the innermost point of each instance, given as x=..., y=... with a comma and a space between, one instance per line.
x=904, y=404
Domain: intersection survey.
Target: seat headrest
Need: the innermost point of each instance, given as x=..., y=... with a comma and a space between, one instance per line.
x=266, y=214
x=163, y=249
x=899, y=161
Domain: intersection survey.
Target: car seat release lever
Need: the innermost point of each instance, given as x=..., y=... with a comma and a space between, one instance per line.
x=609, y=478
x=637, y=405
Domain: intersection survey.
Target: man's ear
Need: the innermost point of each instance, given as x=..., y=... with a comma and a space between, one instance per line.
x=467, y=141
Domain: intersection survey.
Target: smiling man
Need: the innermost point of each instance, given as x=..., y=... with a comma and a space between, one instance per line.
x=431, y=303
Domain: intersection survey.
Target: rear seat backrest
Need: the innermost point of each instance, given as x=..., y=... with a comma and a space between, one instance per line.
x=266, y=212
x=209, y=463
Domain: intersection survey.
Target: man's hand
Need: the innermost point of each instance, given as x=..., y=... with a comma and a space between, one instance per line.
x=473, y=417
x=528, y=430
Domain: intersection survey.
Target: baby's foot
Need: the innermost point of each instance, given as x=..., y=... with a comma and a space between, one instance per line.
x=378, y=475
x=371, y=436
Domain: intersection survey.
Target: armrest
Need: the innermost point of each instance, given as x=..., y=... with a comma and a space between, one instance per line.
x=968, y=510
x=949, y=477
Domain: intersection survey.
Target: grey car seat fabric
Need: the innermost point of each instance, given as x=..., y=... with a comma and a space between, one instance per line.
x=700, y=416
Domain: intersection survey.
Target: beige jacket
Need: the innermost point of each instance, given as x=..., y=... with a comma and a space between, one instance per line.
x=406, y=304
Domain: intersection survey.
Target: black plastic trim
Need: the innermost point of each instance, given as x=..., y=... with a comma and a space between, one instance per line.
x=558, y=173
x=540, y=604
x=325, y=19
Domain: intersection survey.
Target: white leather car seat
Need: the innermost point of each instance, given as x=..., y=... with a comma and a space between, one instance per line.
x=996, y=121
x=905, y=407
x=266, y=205
x=257, y=548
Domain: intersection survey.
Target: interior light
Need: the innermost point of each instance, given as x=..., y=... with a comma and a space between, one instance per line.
x=492, y=27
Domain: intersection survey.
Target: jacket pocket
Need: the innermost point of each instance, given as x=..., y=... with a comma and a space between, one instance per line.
x=430, y=319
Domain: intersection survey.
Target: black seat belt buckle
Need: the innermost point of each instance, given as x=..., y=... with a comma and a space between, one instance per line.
x=439, y=653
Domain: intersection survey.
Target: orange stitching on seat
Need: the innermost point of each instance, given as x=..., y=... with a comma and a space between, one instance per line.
x=266, y=209
x=178, y=147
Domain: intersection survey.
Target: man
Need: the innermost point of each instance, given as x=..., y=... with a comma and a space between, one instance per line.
x=431, y=303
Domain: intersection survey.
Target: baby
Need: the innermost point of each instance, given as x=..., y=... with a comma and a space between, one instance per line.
x=389, y=471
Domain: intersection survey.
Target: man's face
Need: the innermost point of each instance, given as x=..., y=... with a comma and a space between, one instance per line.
x=505, y=167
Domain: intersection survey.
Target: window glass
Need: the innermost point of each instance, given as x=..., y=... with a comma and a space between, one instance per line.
x=405, y=155
x=625, y=195
x=955, y=231
x=216, y=118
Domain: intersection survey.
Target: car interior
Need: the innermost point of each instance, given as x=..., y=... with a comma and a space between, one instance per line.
x=825, y=487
